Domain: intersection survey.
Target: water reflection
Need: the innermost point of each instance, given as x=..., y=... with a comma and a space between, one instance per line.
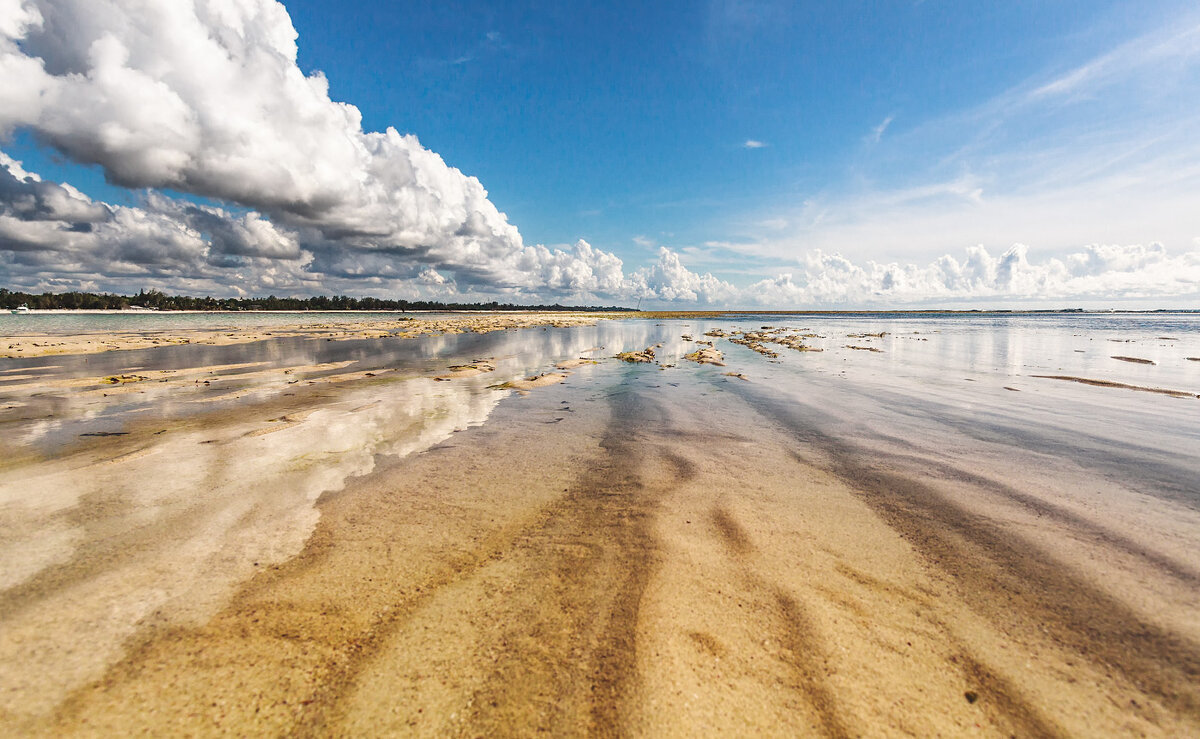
x=48, y=409
x=98, y=547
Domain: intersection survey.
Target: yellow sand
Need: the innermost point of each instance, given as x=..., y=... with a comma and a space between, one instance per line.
x=536, y=381
x=706, y=355
x=477, y=367
x=573, y=363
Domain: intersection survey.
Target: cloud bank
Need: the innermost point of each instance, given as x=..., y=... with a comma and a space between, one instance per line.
x=1095, y=274
x=1108, y=274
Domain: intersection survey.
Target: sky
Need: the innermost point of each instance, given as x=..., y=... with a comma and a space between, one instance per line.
x=731, y=153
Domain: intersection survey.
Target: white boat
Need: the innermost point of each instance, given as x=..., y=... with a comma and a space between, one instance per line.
x=21, y=309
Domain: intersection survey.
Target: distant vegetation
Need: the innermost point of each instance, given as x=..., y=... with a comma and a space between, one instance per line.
x=161, y=301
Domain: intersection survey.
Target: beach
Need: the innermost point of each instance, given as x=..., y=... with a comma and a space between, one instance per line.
x=563, y=524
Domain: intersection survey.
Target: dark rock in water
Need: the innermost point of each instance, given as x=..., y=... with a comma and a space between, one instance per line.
x=122, y=379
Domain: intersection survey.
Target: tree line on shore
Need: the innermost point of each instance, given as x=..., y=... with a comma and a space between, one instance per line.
x=157, y=300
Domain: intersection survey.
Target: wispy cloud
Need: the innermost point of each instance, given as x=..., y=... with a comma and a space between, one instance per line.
x=1174, y=48
x=1103, y=153
x=876, y=134
x=753, y=144
x=491, y=44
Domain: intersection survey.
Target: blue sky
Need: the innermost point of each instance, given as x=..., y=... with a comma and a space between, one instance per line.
x=753, y=139
x=610, y=121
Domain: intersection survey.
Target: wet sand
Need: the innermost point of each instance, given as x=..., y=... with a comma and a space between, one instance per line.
x=679, y=550
x=43, y=345
x=1120, y=385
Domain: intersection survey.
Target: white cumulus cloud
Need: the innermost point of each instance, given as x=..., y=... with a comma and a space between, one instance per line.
x=670, y=281
x=205, y=97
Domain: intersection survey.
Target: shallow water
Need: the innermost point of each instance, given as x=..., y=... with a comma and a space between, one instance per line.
x=123, y=511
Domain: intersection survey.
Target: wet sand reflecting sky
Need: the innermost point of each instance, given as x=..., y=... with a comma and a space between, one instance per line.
x=135, y=508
